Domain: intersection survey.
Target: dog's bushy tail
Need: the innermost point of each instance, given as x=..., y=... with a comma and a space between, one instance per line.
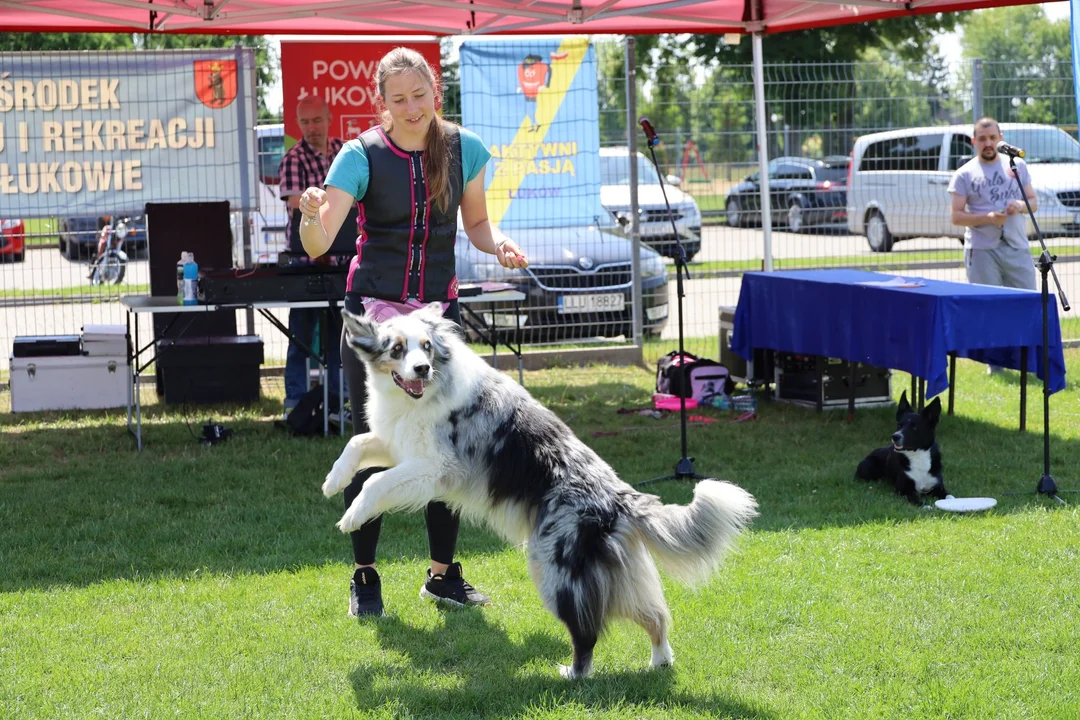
x=690, y=541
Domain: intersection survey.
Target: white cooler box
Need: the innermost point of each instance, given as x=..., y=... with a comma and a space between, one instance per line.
x=108, y=340
x=69, y=382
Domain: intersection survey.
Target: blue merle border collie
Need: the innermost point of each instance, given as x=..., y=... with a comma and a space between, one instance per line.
x=912, y=463
x=449, y=427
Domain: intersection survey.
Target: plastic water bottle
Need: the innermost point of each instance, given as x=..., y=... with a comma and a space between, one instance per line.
x=184, y=257
x=191, y=276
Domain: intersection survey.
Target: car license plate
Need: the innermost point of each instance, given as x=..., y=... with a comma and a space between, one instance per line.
x=656, y=312
x=599, y=302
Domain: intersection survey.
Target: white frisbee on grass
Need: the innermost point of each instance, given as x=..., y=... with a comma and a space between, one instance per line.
x=971, y=504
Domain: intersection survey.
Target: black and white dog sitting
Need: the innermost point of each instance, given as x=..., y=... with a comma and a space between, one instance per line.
x=448, y=426
x=912, y=464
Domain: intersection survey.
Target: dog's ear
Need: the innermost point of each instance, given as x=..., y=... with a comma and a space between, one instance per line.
x=932, y=412
x=361, y=333
x=902, y=407
x=432, y=312
x=432, y=315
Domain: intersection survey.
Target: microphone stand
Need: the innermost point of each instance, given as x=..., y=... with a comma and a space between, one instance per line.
x=684, y=468
x=1046, y=484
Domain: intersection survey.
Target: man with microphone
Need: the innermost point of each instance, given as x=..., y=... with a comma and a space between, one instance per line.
x=986, y=202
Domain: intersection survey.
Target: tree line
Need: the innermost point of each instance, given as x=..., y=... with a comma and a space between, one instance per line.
x=823, y=86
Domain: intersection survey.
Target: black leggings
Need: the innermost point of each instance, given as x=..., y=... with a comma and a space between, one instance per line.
x=442, y=524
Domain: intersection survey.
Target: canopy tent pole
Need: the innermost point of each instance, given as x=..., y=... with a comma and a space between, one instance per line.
x=763, y=153
x=634, y=227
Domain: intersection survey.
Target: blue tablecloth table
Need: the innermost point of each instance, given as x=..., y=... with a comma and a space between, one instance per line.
x=835, y=313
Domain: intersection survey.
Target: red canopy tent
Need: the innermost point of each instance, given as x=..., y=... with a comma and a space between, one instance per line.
x=457, y=17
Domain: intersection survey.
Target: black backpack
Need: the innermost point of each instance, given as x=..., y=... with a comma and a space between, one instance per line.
x=670, y=370
x=306, y=419
x=687, y=375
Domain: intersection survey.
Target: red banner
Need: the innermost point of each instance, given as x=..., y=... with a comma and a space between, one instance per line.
x=344, y=74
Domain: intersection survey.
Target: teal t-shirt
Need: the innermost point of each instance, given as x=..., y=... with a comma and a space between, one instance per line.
x=350, y=172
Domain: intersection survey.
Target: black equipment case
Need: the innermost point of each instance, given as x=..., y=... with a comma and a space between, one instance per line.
x=210, y=369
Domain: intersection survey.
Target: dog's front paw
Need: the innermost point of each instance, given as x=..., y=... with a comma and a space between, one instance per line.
x=353, y=518
x=568, y=672
x=336, y=480
x=662, y=656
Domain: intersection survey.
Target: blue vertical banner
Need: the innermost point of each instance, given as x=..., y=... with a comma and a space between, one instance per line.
x=535, y=105
x=1074, y=26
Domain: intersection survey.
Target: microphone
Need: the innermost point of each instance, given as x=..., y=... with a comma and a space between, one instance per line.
x=1012, y=151
x=650, y=131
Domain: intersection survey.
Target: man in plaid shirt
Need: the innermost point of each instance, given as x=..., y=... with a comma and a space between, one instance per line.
x=304, y=166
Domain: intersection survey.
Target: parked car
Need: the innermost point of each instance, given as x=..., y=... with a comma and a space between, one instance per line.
x=270, y=223
x=12, y=240
x=804, y=192
x=899, y=181
x=654, y=224
x=78, y=236
x=578, y=283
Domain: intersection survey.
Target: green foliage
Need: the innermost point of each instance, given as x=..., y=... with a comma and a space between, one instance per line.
x=611, y=91
x=450, y=74
x=1027, y=64
x=695, y=86
x=48, y=42
x=908, y=36
x=1021, y=34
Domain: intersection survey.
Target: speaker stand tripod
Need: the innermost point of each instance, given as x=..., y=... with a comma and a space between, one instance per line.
x=684, y=468
x=1046, y=484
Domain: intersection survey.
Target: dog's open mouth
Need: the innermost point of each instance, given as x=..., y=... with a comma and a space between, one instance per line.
x=415, y=388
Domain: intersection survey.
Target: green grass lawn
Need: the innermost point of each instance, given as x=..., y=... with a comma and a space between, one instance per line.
x=209, y=582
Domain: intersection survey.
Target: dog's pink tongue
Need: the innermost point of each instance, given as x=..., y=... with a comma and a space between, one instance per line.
x=416, y=387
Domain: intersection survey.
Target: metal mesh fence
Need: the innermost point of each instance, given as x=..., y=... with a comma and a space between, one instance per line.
x=832, y=206
x=841, y=196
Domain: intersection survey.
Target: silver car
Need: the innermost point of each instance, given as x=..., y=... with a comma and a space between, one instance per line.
x=578, y=284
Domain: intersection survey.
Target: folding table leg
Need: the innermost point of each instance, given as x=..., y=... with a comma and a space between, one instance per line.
x=952, y=379
x=517, y=340
x=138, y=395
x=819, y=367
x=1023, y=388
x=851, y=392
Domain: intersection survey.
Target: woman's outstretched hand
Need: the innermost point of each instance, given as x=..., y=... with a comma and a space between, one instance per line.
x=310, y=202
x=510, y=255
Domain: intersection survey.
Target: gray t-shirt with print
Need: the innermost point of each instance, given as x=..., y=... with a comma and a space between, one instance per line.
x=988, y=187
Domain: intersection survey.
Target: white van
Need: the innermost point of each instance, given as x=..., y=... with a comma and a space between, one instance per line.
x=270, y=223
x=898, y=181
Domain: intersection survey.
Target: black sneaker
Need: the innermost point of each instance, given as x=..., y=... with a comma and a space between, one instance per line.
x=450, y=589
x=365, y=593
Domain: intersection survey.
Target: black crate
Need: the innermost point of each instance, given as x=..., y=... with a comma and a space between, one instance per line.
x=826, y=382
x=736, y=364
x=207, y=370
x=46, y=345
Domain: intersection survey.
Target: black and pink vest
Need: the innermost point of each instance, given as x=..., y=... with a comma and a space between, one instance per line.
x=406, y=244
